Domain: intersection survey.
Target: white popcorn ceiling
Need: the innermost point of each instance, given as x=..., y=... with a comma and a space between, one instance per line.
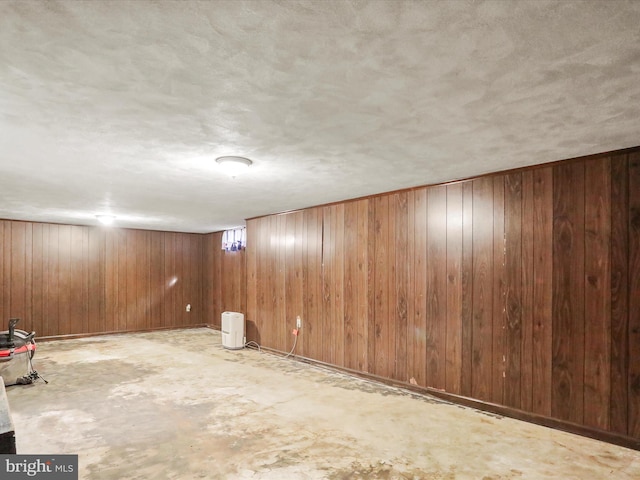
x=123, y=107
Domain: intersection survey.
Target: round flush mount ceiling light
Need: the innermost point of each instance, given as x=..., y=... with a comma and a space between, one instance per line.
x=233, y=165
x=106, y=219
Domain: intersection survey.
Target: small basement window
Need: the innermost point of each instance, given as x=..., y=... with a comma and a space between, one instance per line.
x=234, y=240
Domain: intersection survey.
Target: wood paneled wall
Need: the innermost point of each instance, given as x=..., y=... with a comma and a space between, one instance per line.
x=520, y=288
x=62, y=279
x=224, y=282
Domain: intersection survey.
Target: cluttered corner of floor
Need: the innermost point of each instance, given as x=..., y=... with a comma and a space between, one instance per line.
x=17, y=348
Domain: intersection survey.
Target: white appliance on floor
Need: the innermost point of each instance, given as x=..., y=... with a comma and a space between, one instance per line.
x=233, y=330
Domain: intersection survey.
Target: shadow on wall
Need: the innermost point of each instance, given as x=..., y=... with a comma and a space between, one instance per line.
x=252, y=332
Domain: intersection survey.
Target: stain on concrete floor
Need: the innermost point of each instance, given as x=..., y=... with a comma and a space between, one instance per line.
x=177, y=405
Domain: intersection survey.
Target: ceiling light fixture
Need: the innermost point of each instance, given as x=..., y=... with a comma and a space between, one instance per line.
x=233, y=165
x=106, y=219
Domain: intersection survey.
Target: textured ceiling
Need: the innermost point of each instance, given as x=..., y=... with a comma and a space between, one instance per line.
x=122, y=107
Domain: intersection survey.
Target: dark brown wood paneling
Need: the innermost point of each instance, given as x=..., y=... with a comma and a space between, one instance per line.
x=634, y=295
x=37, y=286
x=382, y=360
x=436, y=313
x=79, y=281
x=513, y=289
x=121, y=285
x=337, y=285
x=312, y=321
x=542, y=289
x=361, y=280
x=401, y=284
x=454, y=289
x=467, y=289
x=371, y=286
x=419, y=336
x=283, y=341
x=17, y=277
x=351, y=285
x=52, y=326
x=328, y=317
x=499, y=314
x=5, y=289
x=494, y=272
x=156, y=286
x=482, y=328
x=526, y=359
x=597, y=308
x=252, y=278
x=568, y=293
x=391, y=291
x=66, y=287
x=619, y=294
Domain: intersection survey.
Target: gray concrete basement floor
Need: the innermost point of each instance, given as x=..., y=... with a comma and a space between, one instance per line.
x=176, y=405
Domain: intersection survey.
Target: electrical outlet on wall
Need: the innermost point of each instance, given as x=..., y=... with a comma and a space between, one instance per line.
x=298, y=322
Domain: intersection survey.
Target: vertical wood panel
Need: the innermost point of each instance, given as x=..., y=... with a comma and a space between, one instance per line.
x=122, y=286
x=436, y=286
x=299, y=275
x=411, y=284
x=5, y=292
x=362, y=284
x=291, y=307
x=543, y=289
x=371, y=285
x=338, y=282
x=482, y=333
x=419, y=333
x=381, y=279
x=467, y=289
x=52, y=295
x=328, y=247
x=351, y=285
x=66, y=283
x=28, y=288
x=634, y=295
x=391, y=292
x=157, y=285
x=17, y=278
x=111, y=281
x=312, y=322
x=37, y=299
x=568, y=292
x=619, y=293
x=454, y=289
x=277, y=296
x=401, y=284
x=513, y=299
x=500, y=284
x=252, y=279
x=132, y=259
x=526, y=359
x=78, y=314
x=597, y=328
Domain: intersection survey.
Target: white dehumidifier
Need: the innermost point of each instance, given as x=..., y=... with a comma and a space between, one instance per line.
x=232, y=330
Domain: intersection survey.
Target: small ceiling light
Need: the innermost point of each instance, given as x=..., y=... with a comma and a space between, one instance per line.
x=233, y=165
x=106, y=219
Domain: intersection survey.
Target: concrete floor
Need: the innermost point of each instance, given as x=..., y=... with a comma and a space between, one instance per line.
x=176, y=405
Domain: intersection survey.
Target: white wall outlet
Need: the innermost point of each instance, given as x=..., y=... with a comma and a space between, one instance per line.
x=298, y=322
x=188, y=309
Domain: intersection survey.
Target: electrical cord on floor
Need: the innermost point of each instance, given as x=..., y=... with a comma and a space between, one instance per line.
x=256, y=345
x=295, y=341
x=252, y=343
